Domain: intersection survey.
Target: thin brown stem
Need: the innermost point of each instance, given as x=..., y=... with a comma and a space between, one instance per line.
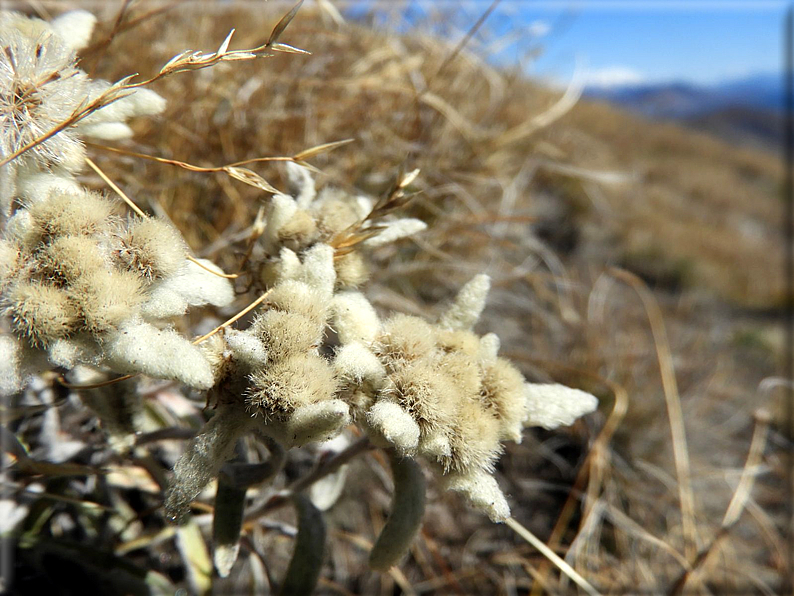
x=113, y=185
x=240, y=314
x=329, y=467
x=203, y=266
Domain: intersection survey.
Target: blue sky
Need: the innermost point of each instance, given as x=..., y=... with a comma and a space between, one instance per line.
x=696, y=42
x=630, y=41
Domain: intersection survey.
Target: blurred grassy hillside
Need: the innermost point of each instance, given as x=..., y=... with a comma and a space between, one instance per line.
x=549, y=201
x=689, y=209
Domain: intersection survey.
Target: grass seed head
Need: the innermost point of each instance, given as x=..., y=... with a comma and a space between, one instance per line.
x=40, y=87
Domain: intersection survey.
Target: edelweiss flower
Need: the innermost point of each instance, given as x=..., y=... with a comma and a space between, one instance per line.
x=442, y=392
x=80, y=286
x=295, y=224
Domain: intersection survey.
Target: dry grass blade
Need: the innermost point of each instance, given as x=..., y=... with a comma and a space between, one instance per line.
x=317, y=150
x=467, y=129
x=596, y=461
x=402, y=581
x=602, y=177
x=185, y=61
x=192, y=60
x=121, y=27
x=395, y=198
x=145, y=540
x=185, y=165
x=250, y=178
x=195, y=557
x=68, y=385
x=737, y=504
x=591, y=471
x=282, y=25
x=113, y=185
x=28, y=465
x=345, y=241
x=466, y=38
x=117, y=23
x=234, y=170
x=620, y=519
x=288, y=49
x=325, y=468
x=540, y=121
x=223, y=275
x=673, y=402
x=551, y=556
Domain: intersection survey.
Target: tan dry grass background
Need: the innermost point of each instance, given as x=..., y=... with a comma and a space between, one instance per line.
x=699, y=220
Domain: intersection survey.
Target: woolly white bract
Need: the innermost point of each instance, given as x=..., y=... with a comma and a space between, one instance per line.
x=553, y=405
x=160, y=353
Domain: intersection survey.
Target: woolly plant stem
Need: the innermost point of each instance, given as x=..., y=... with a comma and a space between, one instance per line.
x=204, y=457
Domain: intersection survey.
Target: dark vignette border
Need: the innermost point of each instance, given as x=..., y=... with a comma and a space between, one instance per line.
x=788, y=199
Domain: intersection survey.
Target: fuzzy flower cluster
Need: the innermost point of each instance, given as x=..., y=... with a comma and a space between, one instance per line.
x=41, y=87
x=442, y=392
x=81, y=285
x=435, y=390
x=290, y=387
x=308, y=218
x=270, y=379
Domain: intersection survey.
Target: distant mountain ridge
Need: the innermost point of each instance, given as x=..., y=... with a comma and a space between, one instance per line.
x=748, y=109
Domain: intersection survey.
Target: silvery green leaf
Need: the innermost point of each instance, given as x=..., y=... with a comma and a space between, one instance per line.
x=408, y=507
x=307, y=558
x=226, y=524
